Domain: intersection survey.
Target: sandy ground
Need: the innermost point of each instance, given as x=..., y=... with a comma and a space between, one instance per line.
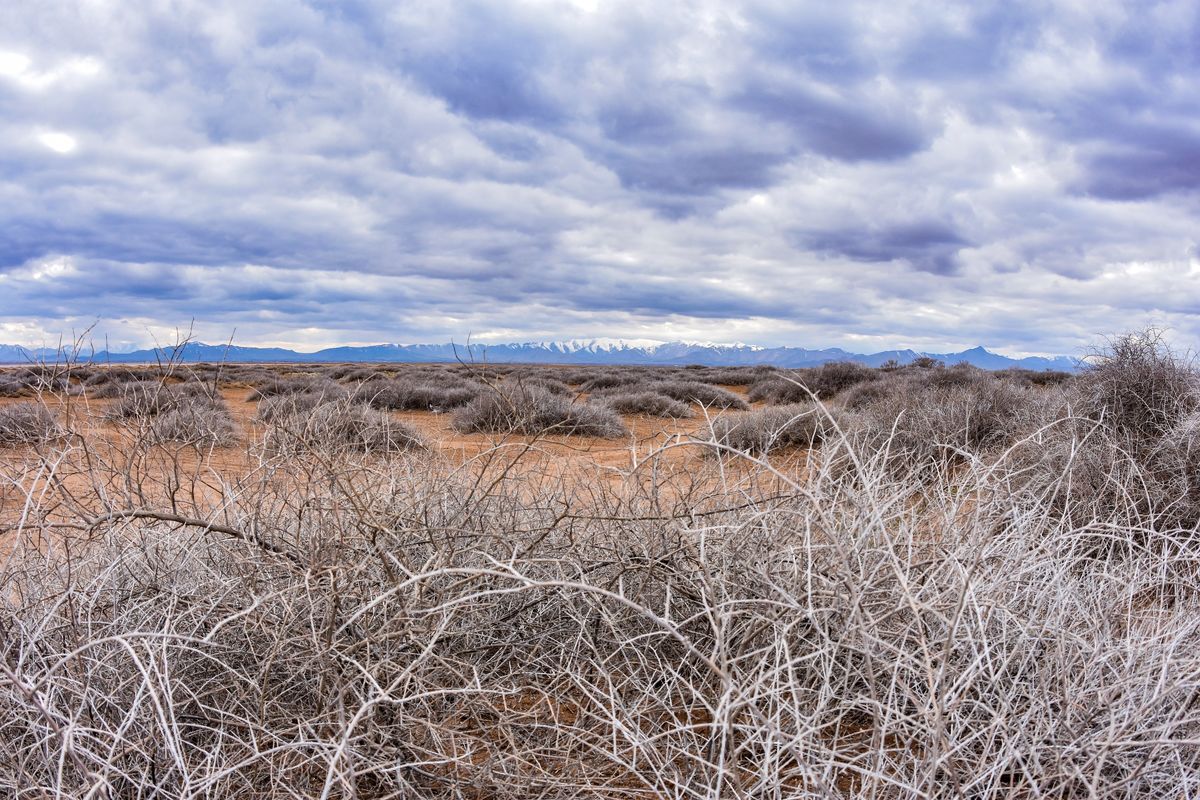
x=647, y=434
x=655, y=451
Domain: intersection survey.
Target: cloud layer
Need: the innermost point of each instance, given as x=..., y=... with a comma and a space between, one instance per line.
x=854, y=174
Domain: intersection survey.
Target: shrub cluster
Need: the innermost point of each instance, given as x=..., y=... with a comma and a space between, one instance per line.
x=148, y=398
x=649, y=403
x=940, y=416
x=27, y=423
x=1132, y=419
x=11, y=385
x=418, y=394
x=199, y=420
x=310, y=384
x=337, y=426
x=800, y=386
x=190, y=412
x=824, y=630
x=705, y=394
x=772, y=428
x=531, y=410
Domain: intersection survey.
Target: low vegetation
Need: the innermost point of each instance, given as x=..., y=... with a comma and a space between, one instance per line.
x=705, y=394
x=27, y=423
x=800, y=386
x=649, y=403
x=531, y=410
x=200, y=421
x=336, y=427
x=973, y=585
x=418, y=394
x=773, y=428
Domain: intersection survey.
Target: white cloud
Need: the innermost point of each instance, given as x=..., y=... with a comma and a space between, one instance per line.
x=13, y=64
x=58, y=142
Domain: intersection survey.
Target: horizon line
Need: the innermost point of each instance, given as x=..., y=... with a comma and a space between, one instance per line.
x=631, y=344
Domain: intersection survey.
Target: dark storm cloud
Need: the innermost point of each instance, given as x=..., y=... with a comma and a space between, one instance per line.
x=845, y=128
x=770, y=171
x=927, y=246
x=1153, y=166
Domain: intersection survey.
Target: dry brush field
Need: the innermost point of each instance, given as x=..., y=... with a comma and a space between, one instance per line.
x=498, y=581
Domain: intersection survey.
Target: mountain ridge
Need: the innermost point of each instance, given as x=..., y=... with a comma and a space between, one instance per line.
x=571, y=351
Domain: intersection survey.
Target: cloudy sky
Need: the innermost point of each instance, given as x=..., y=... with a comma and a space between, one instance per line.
x=867, y=175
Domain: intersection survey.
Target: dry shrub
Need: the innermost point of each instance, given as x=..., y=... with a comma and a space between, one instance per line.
x=340, y=426
x=766, y=430
x=310, y=384
x=354, y=374
x=1030, y=377
x=705, y=394
x=147, y=398
x=871, y=393
x=800, y=386
x=283, y=405
x=1175, y=466
x=27, y=423
x=103, y=390
x=830, y=380
x=418, y=394
x=957, y=376
x=347, y=631
x=1139, y=387
x=649, y=403
x=549, y=383
x=921, y=423
x=776, y=389
x=43, y=377
x=610, y=380
x=191, y=412
x=728, y=376
x=143, y=398
x=639, y=387
x=198, y=421
x=11, y=386
x=529, y=410
x=1135, y=412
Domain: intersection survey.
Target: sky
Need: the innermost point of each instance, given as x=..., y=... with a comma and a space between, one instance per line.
x=866, y=175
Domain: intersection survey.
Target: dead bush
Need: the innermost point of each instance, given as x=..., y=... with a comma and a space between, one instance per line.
x=1140, y=388
x=611, y=380
x=409, y=394
x=651, y=404
x=825, y=382
x=11, y=386
x=705, y=394
x=529, y=410
x=148, y=398
x=309, y=384
x=773, y=428
x=27, y=423
x=341, y=426
x=198, y=421
x=922, y=425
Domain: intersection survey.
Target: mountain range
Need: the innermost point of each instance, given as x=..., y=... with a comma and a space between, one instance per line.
x=574, y=351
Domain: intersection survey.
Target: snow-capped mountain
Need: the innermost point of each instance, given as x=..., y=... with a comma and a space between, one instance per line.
x=571, y=351
x=590, y=345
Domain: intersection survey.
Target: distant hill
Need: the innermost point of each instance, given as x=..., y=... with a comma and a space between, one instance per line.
x=575, y=351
